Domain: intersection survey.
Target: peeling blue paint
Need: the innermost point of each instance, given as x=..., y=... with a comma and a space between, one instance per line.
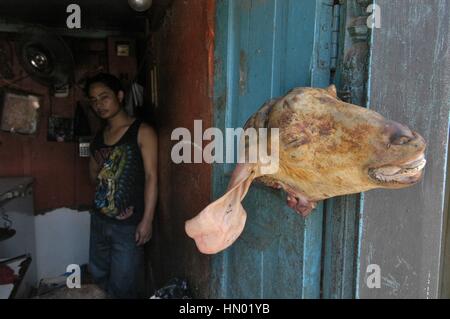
x=267, y=48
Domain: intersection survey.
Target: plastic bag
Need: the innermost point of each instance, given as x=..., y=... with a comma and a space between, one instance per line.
x=175, y=288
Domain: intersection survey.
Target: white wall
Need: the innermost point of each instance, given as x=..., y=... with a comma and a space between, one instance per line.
x=62, y=238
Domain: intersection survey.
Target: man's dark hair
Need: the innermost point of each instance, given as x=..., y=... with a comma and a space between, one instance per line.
x=106, y=79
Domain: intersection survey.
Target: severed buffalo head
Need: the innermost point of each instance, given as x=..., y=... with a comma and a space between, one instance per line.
x=326, y=148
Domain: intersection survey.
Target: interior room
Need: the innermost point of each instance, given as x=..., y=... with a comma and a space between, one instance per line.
x=47, y=50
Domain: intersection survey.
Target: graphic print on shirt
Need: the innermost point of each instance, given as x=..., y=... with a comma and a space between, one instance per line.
x=114, y=181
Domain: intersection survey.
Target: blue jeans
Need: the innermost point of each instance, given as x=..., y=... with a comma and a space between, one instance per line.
x=116, y=263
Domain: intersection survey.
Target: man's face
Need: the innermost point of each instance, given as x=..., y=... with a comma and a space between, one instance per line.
x=104, y=101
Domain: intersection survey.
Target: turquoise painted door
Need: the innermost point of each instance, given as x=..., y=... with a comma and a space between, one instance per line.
x=263, y=49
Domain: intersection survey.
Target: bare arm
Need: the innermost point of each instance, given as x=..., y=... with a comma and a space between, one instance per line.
x=93, y=169
x=148, y=143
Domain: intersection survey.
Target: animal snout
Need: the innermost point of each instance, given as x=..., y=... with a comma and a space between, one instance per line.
x=400, y=134
x=410, y=139
x=418, y=142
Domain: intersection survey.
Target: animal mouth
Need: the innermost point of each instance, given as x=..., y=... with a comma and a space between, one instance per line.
x=405, y=173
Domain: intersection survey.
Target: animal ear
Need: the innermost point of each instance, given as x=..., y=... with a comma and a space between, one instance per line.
x=332, y=90
x=218, y=225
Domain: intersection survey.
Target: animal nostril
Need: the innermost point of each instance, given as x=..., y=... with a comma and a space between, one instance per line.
x=401, y=134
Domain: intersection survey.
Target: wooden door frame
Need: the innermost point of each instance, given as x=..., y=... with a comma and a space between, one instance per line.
x=402, y=231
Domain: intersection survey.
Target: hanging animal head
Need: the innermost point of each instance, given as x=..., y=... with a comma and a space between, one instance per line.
x=326, y=148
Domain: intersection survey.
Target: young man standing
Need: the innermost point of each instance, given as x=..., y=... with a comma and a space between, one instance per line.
x=123, y=165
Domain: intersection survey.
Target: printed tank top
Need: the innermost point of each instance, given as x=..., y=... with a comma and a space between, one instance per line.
x=119, y=194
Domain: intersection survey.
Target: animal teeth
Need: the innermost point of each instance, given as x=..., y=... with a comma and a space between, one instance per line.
x=421, y=164
x=389, y=170
x=414, y=170
x=381, y=174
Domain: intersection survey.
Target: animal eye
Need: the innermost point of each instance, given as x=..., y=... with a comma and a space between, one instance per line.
x=401, y=140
